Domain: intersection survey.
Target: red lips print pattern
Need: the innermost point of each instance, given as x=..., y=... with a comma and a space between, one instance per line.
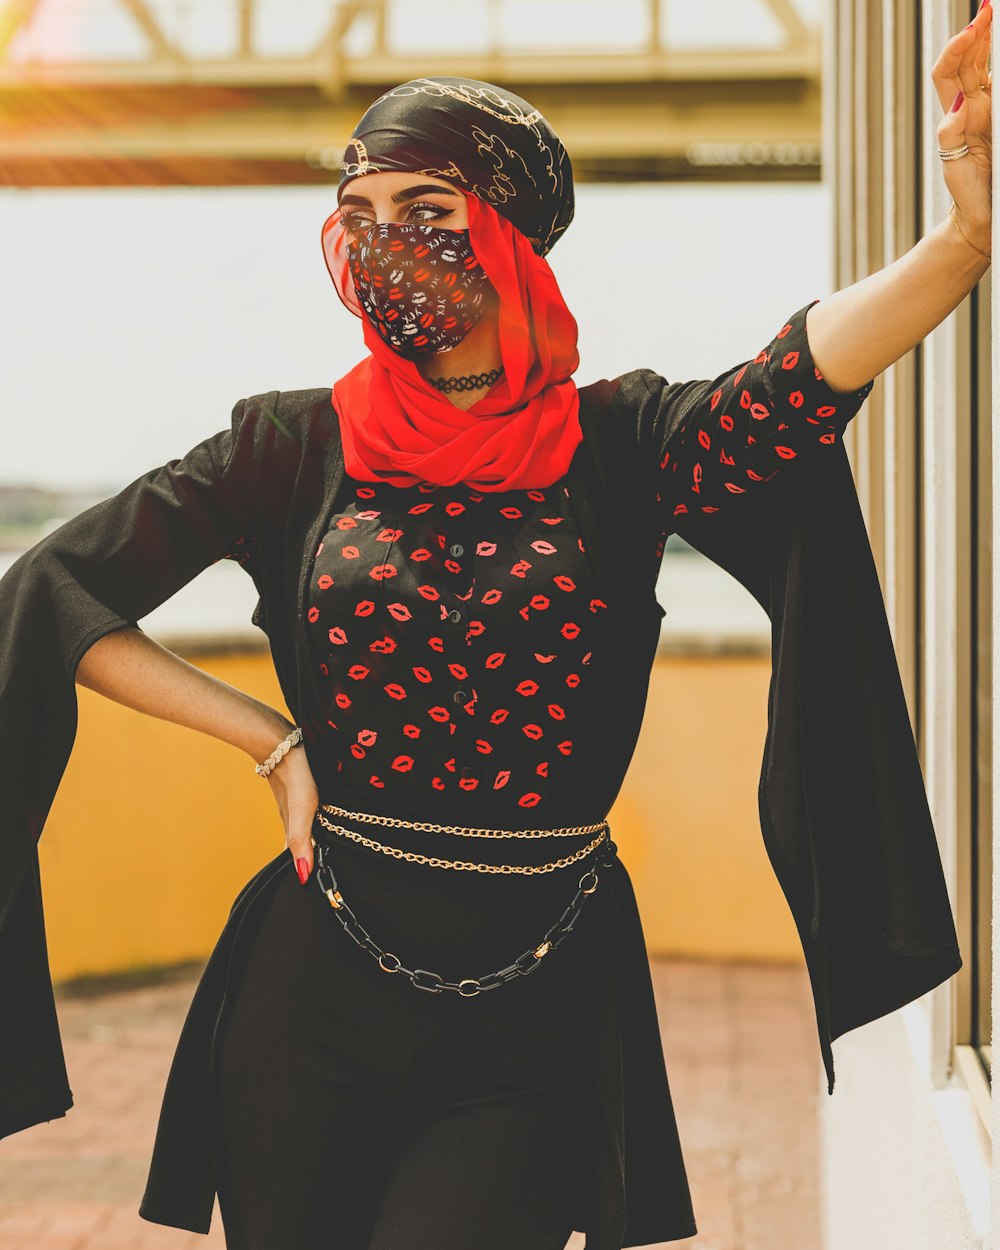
x=449, y=629
x=711, y=441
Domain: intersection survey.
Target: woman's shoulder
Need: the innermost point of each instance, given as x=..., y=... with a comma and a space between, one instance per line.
x=299, y=407
x=273, y=423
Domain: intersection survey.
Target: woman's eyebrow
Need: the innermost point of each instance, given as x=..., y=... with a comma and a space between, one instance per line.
x=408, y=193
x=430, y=188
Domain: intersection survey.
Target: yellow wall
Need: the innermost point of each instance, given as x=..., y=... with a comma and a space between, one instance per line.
x=686, y=819
x=152, y=799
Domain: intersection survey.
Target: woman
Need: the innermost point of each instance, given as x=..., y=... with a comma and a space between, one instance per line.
x=458, y=592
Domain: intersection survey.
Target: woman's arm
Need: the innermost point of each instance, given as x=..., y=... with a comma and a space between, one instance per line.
x=858, y=332
x=130, y=668
x=707, y=442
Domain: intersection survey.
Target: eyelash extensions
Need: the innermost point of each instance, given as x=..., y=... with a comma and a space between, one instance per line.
x=354, y=222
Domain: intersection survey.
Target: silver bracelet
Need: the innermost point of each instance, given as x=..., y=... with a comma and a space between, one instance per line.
x=279, y=752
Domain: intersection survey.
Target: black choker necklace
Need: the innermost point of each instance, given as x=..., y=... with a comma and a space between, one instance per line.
x=470, y=382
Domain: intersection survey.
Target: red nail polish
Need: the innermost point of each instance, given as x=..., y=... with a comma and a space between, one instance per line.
x=302, y=867
x=957, y=102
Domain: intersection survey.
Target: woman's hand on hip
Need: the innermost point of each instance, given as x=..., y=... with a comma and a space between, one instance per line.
x=295, y=791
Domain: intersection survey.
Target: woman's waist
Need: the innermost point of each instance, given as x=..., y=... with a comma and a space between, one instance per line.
x=435, y=837
x=399, y=801
x=446, y=894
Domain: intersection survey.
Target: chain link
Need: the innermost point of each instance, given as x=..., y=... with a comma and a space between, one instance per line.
x=461, y=865
x=468, y=987
x=469, y=831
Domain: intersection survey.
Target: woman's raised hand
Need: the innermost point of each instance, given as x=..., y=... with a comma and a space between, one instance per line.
x=963, y=80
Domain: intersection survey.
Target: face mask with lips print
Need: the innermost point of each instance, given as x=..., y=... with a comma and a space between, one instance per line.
x=421, y=286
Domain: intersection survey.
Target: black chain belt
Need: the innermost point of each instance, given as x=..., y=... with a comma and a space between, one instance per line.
x=468, y=987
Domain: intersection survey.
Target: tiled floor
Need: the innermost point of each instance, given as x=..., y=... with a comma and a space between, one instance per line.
x=742, y=1055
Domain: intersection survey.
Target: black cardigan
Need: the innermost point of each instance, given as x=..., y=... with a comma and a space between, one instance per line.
x=843, y=808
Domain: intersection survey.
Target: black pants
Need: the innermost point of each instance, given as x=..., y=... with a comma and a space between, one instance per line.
x=361, y=1113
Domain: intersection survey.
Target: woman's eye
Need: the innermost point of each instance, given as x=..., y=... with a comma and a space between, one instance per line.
x=428, y=212
x=355, y=222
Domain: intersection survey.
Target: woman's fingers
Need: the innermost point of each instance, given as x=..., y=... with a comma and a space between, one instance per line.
x=302, y=810
x=297, y=796
x=960, y=65
x=301, y=849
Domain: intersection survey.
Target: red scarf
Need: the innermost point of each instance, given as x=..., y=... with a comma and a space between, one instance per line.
x=396, y=427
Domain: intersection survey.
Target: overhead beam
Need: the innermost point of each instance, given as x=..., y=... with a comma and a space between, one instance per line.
x=652, y=123
x=141, y=15
x=804, y=62
x=791, y=19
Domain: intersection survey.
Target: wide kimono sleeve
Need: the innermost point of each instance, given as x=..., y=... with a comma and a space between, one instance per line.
x=105, y=568
x=707, y=442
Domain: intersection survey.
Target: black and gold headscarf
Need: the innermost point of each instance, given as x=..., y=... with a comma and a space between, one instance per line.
x=486, y=140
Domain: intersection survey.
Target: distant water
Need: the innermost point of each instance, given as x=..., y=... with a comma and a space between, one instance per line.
x=702, y=603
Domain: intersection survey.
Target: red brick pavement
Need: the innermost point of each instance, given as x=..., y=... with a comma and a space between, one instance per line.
x=741, y=1052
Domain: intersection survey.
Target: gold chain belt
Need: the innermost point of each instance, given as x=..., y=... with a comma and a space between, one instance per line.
x=462, y=865
x=469, y=831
